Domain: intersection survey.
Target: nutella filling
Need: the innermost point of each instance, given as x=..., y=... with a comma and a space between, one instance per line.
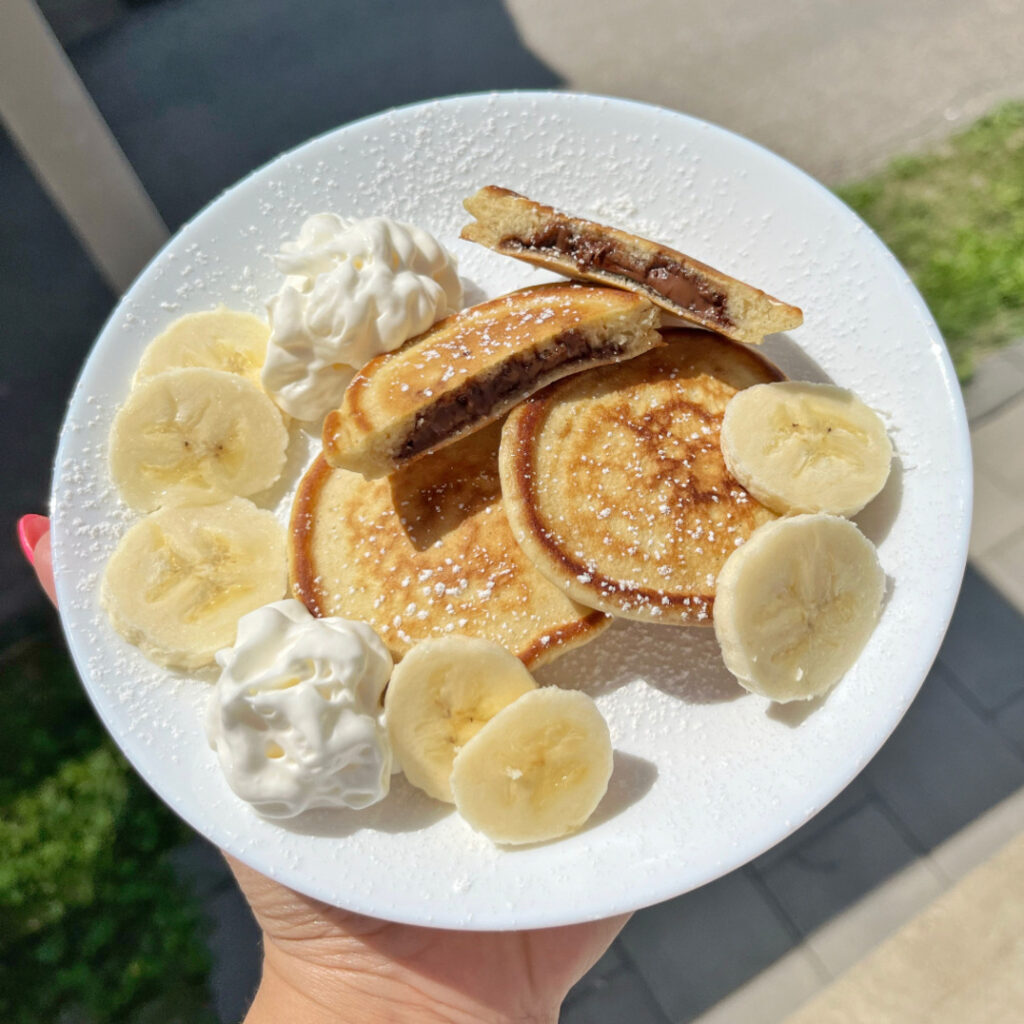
x=518, y=377
x=660, y=273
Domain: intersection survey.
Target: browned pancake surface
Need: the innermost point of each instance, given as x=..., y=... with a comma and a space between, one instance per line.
x=472, y=367
x=615, y=484
x=516, y=226
x=426, y=552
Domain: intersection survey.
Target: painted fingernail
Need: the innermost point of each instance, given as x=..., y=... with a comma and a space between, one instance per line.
x=31, y=528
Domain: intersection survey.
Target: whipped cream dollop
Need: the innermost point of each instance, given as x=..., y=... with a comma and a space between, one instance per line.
x=296, y=717
x=354, y=289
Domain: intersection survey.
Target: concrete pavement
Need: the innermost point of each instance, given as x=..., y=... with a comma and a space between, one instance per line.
x=835, y=86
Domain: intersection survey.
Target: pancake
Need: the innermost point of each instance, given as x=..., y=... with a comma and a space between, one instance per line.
x=427, y=552
x=615, y=485
x=471, y=368
x=516, y=226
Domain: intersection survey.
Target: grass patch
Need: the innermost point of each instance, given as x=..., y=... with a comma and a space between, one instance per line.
x=94, y=926
x=954, y=218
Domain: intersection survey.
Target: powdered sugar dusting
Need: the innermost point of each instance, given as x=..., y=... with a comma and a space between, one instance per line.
x=704, y=777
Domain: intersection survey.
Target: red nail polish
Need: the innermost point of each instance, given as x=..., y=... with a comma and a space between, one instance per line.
x=31, y=529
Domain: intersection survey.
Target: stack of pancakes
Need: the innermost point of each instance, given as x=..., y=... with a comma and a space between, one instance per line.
x=528, y=469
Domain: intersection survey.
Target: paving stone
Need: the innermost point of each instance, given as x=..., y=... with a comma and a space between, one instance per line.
x=996, y=446
x=856, y=794
x=984, y=646
x=996, y=515
x=972, y=846
x=838, y=867
x=996, y=381
x=840, y=942
x=960, y=961
x=1003, y=566
x=694, y=950
x=616, y=998
x=1010, y=723
x=767, y=998
x=944, y=765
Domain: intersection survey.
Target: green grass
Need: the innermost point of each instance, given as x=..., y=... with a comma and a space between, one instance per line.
x=94, y=926
x=954, y=218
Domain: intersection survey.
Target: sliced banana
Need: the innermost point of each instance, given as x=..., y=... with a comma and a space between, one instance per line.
x=795, y=605
x=537, y=770
x=801, y=447
x=221, y=339
x=440, y=695
x=195, y=436
x=181, y=578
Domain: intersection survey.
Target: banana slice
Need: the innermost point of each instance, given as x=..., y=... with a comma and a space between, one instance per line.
x=181, y=578
x=195, y=436
x=537, y=770
x=795, y=605
x=221, y=339
x=440, y=695
x=801, y=447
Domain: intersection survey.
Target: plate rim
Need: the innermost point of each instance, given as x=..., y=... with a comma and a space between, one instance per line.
x=957, y=560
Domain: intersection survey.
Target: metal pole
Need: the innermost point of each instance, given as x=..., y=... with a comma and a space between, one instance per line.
x=64, y=139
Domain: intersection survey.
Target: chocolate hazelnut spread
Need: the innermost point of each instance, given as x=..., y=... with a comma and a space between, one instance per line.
x=659, y=272
x=478, y=400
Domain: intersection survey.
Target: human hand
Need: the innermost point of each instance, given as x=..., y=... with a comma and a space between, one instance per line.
x=325, y=964
x=337, y=965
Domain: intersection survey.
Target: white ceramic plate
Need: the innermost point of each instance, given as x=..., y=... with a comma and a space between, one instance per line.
x=706, y=777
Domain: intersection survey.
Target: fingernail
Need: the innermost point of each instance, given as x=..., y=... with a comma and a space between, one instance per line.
x=30, y=529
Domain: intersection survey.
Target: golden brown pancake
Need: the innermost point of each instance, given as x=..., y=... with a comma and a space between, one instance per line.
x=471, y=368
x=615, y=486
x=426, y=552
x=516, y=226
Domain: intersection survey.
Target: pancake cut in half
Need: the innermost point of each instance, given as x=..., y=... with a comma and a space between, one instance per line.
x=615, y=485
x=428, y=552
x=516, y=226
x=472, y=367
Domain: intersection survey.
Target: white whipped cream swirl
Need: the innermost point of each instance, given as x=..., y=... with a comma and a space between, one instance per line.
x=354, y=289
x=295, y=716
